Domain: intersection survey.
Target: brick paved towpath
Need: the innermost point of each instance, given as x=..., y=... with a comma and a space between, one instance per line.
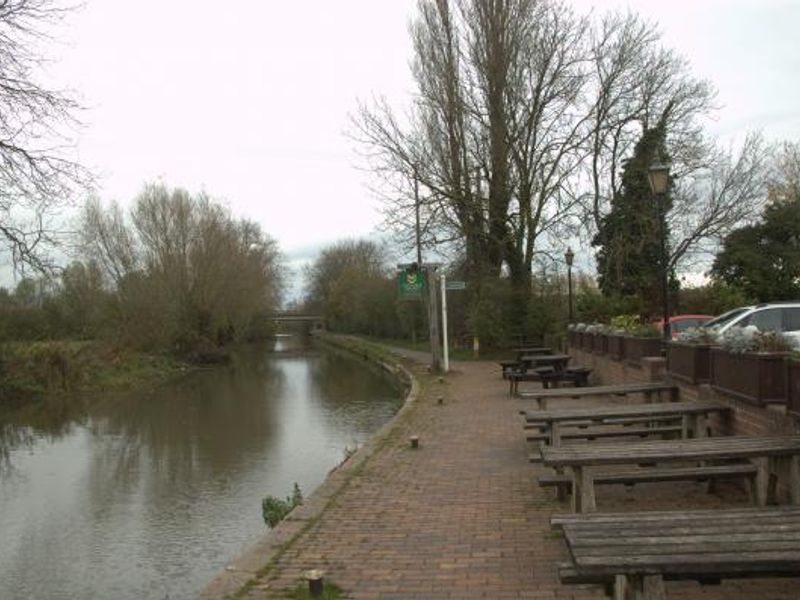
x=461, y=517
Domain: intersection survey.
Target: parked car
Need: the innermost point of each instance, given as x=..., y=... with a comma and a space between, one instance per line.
x=680, y=323
x=769, y=316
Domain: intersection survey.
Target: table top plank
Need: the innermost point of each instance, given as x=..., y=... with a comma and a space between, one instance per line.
x=600, y=390
x=599, y=413
x=747, y=513
x=604, y=453
x=763, y=540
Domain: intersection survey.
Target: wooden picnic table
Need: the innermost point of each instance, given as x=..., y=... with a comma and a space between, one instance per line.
x=531, y=350
x=557, y=361
x=552, y=362
x=638, y=551
x=758, y=449
x=648, y=389
x=691, y=414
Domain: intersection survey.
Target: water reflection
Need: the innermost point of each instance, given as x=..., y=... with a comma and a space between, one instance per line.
x=148, y=495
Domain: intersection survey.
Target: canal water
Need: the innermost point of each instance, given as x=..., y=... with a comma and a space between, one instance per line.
x=149, y=495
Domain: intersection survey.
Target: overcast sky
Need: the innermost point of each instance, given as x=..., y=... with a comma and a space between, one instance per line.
x=249, y=100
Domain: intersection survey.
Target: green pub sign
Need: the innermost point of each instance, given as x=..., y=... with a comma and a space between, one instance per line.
x=412, y=284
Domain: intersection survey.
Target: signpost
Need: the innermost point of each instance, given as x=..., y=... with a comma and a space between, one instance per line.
x=448, y=285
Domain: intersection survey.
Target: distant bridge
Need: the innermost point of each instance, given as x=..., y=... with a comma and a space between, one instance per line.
x=317, y=322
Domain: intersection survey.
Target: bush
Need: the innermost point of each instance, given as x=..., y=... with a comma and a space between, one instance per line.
x=274, y=510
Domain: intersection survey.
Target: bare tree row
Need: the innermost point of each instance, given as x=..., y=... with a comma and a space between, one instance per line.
x=523, y=115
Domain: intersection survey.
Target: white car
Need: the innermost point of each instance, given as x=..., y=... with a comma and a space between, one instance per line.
x=770, y=316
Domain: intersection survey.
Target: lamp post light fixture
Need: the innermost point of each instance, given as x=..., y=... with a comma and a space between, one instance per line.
x=569, y=257
x=658, y=177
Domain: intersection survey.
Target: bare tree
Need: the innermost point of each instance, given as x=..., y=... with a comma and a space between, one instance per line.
x=726, y=192
x=37, y=175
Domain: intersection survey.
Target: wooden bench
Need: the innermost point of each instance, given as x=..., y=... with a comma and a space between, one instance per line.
x=636, y=552
x=554, y=425
x=648, y=389
x=746, y=471
x=583, y=460
x=593, y=434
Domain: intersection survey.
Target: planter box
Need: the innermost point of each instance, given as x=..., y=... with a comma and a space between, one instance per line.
x=759, y=378
x=689, y=362
x=616, y=347
x=636, y=348
x=588, y=343
x=601, y=343
x=793, y=387
x=574, y=339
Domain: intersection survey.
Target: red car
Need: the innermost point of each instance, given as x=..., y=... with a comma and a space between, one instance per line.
x=680, y=323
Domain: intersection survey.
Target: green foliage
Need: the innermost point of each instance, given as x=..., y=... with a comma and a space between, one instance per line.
x=712, y=299
x=351, y=284
x=31, y=370
x=633, y=325
x=274, y=510
x=330, y=591
x=764, y=259
x=593, y=307
x=628, y=242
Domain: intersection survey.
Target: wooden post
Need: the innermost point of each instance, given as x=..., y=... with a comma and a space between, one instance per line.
x=762, y=479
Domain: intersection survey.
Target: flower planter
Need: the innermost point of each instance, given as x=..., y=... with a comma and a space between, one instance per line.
x=758, y=378
x=689, y=362
x=616, y=347
x=793, y=386
x=636, y=348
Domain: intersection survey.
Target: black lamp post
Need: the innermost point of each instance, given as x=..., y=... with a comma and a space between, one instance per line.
x=658, y=176
x=569, y=257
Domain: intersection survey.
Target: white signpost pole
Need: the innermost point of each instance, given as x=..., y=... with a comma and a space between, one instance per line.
x=444, y=323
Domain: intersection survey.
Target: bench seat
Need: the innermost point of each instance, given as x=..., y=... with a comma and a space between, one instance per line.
x=632, y=477
x=626, y=432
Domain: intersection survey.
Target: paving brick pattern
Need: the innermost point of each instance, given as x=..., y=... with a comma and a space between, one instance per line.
x=462, y=516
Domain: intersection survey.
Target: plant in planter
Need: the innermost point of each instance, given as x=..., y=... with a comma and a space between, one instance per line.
x=751, y=365
x=638, y=339
x=689, y=356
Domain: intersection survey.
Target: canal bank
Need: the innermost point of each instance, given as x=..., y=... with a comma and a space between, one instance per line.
x=459, y=517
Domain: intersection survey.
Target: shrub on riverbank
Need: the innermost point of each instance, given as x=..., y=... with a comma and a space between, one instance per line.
x=31, y=370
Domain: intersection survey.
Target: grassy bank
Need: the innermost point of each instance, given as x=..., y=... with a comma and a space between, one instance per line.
x=30, y=371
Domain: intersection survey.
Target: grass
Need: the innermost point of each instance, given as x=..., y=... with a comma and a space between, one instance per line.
x=424, y=346
x=330, y=592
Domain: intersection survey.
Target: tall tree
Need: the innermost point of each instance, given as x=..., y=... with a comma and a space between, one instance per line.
x=37, y=173
x=764, y=259
x=629, y=254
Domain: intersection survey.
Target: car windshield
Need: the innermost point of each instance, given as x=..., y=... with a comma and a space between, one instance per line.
x=724, y=318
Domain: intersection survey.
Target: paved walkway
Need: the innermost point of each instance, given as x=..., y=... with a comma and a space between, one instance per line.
x=462, y=516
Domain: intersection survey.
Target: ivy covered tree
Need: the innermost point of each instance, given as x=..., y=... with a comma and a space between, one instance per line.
x=764, y=259
x=628, y=242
